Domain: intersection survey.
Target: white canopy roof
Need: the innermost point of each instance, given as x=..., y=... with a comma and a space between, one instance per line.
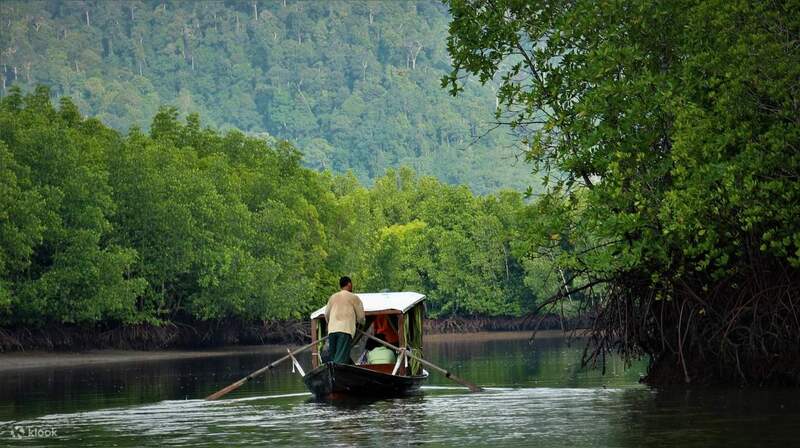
x=383, y=301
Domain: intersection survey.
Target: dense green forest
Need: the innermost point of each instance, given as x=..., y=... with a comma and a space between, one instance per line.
x=354, y=84
x=671, y=132
x=185, y=223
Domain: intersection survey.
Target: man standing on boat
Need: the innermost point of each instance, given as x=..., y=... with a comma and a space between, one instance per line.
x=343, y=312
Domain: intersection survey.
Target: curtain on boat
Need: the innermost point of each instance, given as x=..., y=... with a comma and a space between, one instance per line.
x=412, y=329
x=321, y=332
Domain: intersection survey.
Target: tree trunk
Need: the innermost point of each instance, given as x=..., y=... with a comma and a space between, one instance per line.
x=255, y=11
x=414, y=55
x=496, y=98
x=187, y=51
x=87, y=18
x=303, y=97
x=508, y=271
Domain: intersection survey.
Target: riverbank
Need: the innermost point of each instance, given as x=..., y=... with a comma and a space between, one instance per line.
x=199, y=335
x=481, y=324
x=40, y=359
x=188, y=335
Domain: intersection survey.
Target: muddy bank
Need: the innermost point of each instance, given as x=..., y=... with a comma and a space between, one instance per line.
x=489, y=324
x=39, y=359
x=484, y=336
x=182, y=335
x=215, y=334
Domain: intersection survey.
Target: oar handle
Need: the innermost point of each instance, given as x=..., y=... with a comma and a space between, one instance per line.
x=445, y=372
x=236, y=385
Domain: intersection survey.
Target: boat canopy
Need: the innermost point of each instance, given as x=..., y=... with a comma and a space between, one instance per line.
x=378, y=302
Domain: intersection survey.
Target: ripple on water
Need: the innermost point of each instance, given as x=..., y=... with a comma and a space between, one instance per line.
x=443, y=415
x=557, y=404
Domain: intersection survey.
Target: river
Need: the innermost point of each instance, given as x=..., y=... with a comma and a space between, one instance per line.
x=536, y=396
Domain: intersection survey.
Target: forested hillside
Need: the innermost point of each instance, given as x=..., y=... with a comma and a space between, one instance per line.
x=186, y=224
x=354, y=85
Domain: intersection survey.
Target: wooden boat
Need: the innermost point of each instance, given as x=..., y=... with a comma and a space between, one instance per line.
x=331, y=381
x=328, y=380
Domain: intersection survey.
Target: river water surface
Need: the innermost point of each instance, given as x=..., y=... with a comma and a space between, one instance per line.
x=536, y=396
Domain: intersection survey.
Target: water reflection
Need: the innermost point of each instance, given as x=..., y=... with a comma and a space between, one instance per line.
x=507, y=360
x=535, y=397
x=713, y=417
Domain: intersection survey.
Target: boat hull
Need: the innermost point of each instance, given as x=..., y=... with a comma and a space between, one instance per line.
x=331, y=381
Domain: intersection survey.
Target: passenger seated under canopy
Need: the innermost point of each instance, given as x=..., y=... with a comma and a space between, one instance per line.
x=379, y=354
x=383, y=327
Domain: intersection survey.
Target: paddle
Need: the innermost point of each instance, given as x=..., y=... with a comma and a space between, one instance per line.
x=238, y=384
x=445, y=372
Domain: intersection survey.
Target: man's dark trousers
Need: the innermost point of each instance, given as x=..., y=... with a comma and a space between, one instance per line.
x=340, y=348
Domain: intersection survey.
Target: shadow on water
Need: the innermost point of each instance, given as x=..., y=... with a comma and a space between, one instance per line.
x=535, y=396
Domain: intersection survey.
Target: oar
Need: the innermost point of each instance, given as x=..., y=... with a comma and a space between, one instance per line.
x=445, y=372
x=237, y=384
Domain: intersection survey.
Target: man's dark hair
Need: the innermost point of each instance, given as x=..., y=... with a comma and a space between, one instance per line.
x=344, y=281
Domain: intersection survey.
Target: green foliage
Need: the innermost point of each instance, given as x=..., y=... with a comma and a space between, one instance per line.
x=455, y=246
x=676, y=137
x=353, y=83
x=60, y=262
x=670, y=133
x=188, y=223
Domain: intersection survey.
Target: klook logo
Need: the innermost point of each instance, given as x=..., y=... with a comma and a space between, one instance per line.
x=32, y=432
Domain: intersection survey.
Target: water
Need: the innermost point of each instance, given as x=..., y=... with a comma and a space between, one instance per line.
x=535, y=397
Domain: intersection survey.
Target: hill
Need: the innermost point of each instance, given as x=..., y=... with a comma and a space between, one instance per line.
x=355, y=85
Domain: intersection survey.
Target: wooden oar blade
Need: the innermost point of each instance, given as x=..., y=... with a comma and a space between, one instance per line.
x=225, y=391
x=236, y=385
x=474, y=388
x=463, y=382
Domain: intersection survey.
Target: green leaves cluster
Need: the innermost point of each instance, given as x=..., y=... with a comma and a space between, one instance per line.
x=185, y=223
x=56, y=258
x=669, y=129
x=671, y=138
x=455, y=246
